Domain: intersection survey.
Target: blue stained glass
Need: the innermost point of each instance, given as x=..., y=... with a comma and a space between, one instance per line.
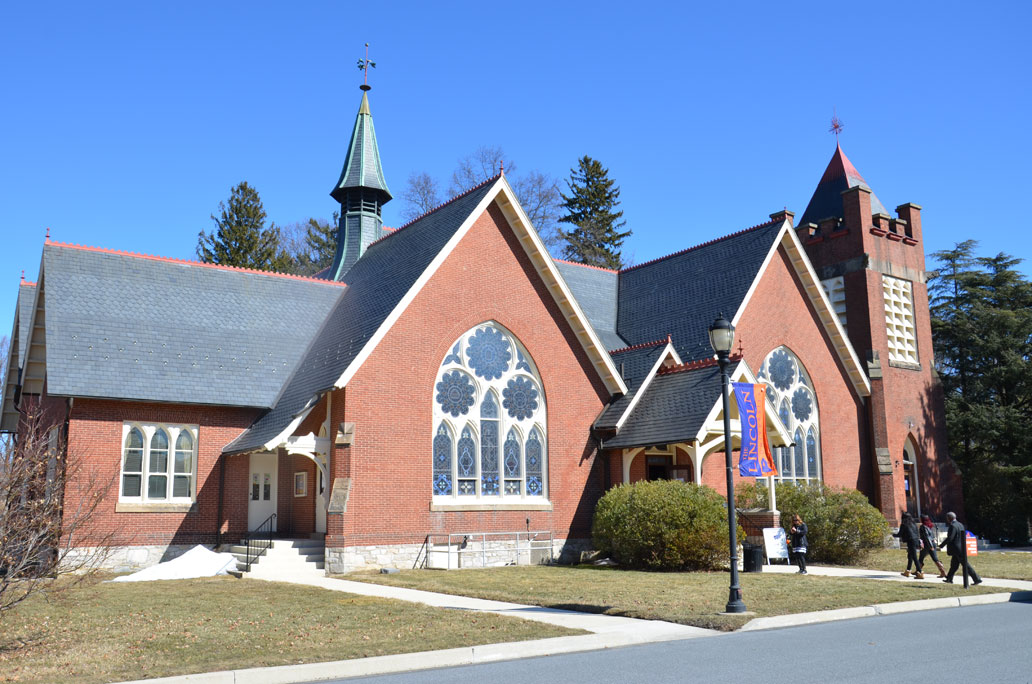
x=533, y=486
x=520, y=398
x=489, y=457
x=802, y=405
x=467, y=487
x=442, y=461
x=811, y=453
x=784, y=413
x=782, y=370
x=521, y=363
x=489, y=409
x=488, y=353
x=467, y=454
x=534, y=464
x=800, y=455
x=512, y=455
x=453, y=357
x=455, y=393
x=512, y=487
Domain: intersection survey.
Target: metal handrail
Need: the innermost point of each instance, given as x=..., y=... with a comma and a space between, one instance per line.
x=475, y=545
x=254, y=550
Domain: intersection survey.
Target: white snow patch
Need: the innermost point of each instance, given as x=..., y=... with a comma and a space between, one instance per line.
x=197, y=562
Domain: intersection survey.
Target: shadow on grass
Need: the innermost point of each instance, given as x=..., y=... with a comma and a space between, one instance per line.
x=25, y=641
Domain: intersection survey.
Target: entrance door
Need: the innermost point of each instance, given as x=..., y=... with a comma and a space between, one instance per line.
x=261, y=493
x=320, y=502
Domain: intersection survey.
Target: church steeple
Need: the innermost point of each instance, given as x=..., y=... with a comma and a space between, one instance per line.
x=362, y=192
x=840, y=176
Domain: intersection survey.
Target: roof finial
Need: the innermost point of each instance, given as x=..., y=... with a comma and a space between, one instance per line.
x=48, y=232
x=836, y=125
x=364, y=65
x=23, y=275
x=501, y=167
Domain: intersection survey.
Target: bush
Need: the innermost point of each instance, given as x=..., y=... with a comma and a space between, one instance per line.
x=843, y=527
x=663, y=525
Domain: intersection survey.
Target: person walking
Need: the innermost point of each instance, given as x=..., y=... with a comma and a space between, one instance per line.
x=956, y=546
x=927, y=531
x=909, y=535
x=798, y=533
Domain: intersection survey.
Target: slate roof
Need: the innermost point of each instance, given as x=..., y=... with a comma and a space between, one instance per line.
x=681, y=295
x=26, y=298
x=634, y=364
x=376, y=284
x=129, y=326
x=827, y=198
x=673, y=408
x=595, y=290
x=362, y=167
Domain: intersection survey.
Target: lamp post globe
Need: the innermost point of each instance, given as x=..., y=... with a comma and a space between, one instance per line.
x=722, y=339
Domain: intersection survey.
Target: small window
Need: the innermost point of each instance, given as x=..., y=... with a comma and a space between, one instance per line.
x=300, y=484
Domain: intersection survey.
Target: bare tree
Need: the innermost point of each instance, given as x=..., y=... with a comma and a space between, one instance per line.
x=421, y=194
x=474, y=169
x=45, y=529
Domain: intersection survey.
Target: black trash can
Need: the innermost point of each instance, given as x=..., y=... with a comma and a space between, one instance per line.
x=752, y=557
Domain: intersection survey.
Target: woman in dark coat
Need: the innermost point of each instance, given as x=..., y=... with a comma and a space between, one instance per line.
x=909, y=535
x=928, y=544
x=799, y=542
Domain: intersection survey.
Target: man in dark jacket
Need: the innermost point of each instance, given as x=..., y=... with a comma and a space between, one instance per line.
x=956, y=546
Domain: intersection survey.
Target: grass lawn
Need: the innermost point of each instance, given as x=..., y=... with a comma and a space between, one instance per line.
x=1001, y=564
x=110, y=632
x=690, y=598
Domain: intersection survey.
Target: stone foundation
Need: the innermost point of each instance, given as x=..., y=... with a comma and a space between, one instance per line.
x=475, y=554
x=127, y=558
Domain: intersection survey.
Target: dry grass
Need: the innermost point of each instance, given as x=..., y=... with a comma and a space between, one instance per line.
x=110, y=632
x=999, y=564
x=688, y=598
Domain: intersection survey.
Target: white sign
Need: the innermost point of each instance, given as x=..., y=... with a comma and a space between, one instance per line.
x=774, y=542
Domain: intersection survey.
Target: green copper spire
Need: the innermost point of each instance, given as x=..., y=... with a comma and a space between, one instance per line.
x=362, y=192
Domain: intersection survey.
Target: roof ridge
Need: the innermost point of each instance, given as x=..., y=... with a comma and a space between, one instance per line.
x=28, y=283
x=640, y=345
x=694, y=365
x=704, y=244
x=187, y=262
x=426, y=213
x=577, y=263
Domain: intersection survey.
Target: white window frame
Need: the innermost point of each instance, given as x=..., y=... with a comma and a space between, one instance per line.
x=472, y=420
x=300, y=478
x=149, y=429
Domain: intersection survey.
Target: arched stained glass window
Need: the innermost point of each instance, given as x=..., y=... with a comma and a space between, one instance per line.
x=157, y=481
x=790, y=388
x=489, y=446
x=488, y=393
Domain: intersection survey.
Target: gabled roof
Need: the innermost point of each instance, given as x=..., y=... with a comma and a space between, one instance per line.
x=362, y=168
x=596, y=292
x=840, y=176
x=681, y=294
x=638, y=365
x=380, y=287
x=129, y=326
x=26, y=296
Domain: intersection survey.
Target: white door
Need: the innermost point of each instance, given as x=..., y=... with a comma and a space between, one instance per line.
x=261, y=492
x=321, y=496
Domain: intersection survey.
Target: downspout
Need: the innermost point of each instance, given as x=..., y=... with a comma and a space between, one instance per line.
x=222, y=488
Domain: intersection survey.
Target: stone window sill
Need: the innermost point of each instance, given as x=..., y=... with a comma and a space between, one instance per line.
x=126, y=507
x=905, y=365
x=482, y=506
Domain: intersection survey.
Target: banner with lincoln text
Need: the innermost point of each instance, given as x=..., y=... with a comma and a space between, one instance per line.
x=755, y=458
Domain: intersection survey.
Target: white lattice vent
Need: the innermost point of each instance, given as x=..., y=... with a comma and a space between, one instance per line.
x=899, y=320
x=836, y=290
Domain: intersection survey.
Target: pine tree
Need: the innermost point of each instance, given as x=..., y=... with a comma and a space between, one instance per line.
x=240, y=237
x=982, y=329
x=591, y=209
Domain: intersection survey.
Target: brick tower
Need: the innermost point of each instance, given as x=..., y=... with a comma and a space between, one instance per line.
x=872, y=267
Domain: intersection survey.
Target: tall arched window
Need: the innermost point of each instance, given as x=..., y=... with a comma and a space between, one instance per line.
x=790, y=389
x=488, y=394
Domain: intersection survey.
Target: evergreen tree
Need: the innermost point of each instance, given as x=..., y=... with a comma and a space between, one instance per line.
x=240, y=237
x=591, y=209
x=982, y=329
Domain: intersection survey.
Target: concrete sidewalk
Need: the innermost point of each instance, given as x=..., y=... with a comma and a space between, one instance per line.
x=827, y=571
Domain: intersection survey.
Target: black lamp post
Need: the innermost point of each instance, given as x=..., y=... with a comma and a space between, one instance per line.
x=722, y=338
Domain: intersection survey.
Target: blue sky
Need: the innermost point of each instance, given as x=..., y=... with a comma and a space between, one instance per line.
x=125, y=124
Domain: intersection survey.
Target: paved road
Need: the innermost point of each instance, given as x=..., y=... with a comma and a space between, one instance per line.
x=973, y=644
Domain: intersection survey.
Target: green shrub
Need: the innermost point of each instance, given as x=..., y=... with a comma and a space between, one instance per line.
x=843, y=527
x=663, y=525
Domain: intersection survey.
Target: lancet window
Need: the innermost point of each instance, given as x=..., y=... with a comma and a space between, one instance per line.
x=790, y=390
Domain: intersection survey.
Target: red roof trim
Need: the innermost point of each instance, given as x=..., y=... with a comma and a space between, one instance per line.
x=575, y=263
x=27, y=283
x=185, y=262
x=704, y=244
x=694, y=365
x=642, y=345
x=395, y=231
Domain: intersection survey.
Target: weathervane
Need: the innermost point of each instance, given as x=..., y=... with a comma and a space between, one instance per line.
x=364, y=65
x=836, y=125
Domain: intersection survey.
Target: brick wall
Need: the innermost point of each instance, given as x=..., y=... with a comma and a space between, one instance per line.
x=390, y=401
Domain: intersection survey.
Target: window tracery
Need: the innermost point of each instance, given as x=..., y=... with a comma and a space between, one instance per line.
x=789, y=389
